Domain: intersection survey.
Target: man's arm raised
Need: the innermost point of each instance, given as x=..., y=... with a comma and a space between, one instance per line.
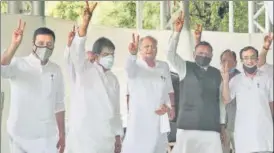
x=174, y=59
x=77, y=50
x=267, y=43
x=131, y=66
x=8, y=64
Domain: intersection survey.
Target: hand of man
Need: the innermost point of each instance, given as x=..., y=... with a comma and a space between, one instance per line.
x=118, y=144
x=162, y=110
x=133, y=46
x=89, y=11
x=268, y=41
x=198, y=32
x=171, y=113
x=61, y=144
x=71, y=36
x=179, y=22
x=225, y=72
x=223, y=136
x=17, y=35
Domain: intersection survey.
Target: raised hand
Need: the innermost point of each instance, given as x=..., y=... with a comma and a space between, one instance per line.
x=133, y=46
x=198, y=32
x=225, y=72
x=71, y=36
x=268, y=41
x=179, y=22
x=88, y=11
x=17, y=35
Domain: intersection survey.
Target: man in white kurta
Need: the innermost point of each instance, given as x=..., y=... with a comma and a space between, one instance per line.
x=253, y=90
x=149, y=88
x=37, y=96
x=94, y=121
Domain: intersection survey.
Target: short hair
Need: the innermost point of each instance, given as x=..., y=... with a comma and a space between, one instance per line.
x=101, y=43
x=43, y=31
x=148, y=37
x=248, y=48
x=204, y=43
x=229, y=51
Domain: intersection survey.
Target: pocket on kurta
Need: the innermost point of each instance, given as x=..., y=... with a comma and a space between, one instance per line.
x=48, y=87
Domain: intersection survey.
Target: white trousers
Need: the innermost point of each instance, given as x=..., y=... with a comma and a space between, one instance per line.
x=194, y=141
x=229, y=143
x=41, y=145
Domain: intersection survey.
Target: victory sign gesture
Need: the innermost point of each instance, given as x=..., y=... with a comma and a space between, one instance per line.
x=198, y=33
x=89, y=11
x=268, y=41
x=17, y=35
x=133, y=46
x=225, y=72
x=179, y=22
x=71, y=36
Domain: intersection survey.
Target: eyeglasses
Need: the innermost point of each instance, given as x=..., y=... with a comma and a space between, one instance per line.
x=252, y=58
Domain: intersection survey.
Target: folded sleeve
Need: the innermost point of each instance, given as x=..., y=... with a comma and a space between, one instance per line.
x=11, y=70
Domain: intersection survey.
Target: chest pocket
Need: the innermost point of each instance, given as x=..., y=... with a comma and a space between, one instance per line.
x=48, y=85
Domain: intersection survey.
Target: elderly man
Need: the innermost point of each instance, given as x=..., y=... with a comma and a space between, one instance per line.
x=253, y=90
x=150, y=88
x=37, y=95
x=200, y=108
x=95, y=124
x=230, y=58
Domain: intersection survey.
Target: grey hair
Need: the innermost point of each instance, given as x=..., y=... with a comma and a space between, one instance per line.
x=155, y=41
x=101, y=43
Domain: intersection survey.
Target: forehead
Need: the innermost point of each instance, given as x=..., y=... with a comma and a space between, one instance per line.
x=202, y=48
x=147, y=40
x=249, y=52
x=107, y=50
x=47, y=38
x=227, y=55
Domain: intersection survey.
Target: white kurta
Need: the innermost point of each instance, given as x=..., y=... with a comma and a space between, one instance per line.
x=268, y=69
x=253, y=123
x=94, y=118
x=148, y=89
x=37, y=93
x=193, y=141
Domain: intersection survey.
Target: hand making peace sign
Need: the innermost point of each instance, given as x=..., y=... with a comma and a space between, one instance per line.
x=89, y=10
x=17, y=35
x=225, y=72
x=268, y=41
x=133, y=46
x=71, y=36
x=198, y=31
x=179, y=22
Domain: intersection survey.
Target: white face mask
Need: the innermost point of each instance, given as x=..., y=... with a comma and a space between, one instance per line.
x=43, y=53
x=107, y=61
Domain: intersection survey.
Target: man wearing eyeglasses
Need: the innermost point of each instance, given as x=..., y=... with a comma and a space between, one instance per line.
x=37, y=95
x=151, y=98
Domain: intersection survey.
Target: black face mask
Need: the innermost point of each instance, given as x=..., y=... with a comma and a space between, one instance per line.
x=202, y=60
x=250, y=70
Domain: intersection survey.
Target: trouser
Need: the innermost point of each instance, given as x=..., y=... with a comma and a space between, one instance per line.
x=41, y=145
x=196, y=141
x=229, y=142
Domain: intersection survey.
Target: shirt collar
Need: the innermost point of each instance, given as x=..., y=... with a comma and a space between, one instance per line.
x=144, y=63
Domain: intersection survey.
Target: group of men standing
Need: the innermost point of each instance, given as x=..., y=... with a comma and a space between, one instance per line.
x=208, y=97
